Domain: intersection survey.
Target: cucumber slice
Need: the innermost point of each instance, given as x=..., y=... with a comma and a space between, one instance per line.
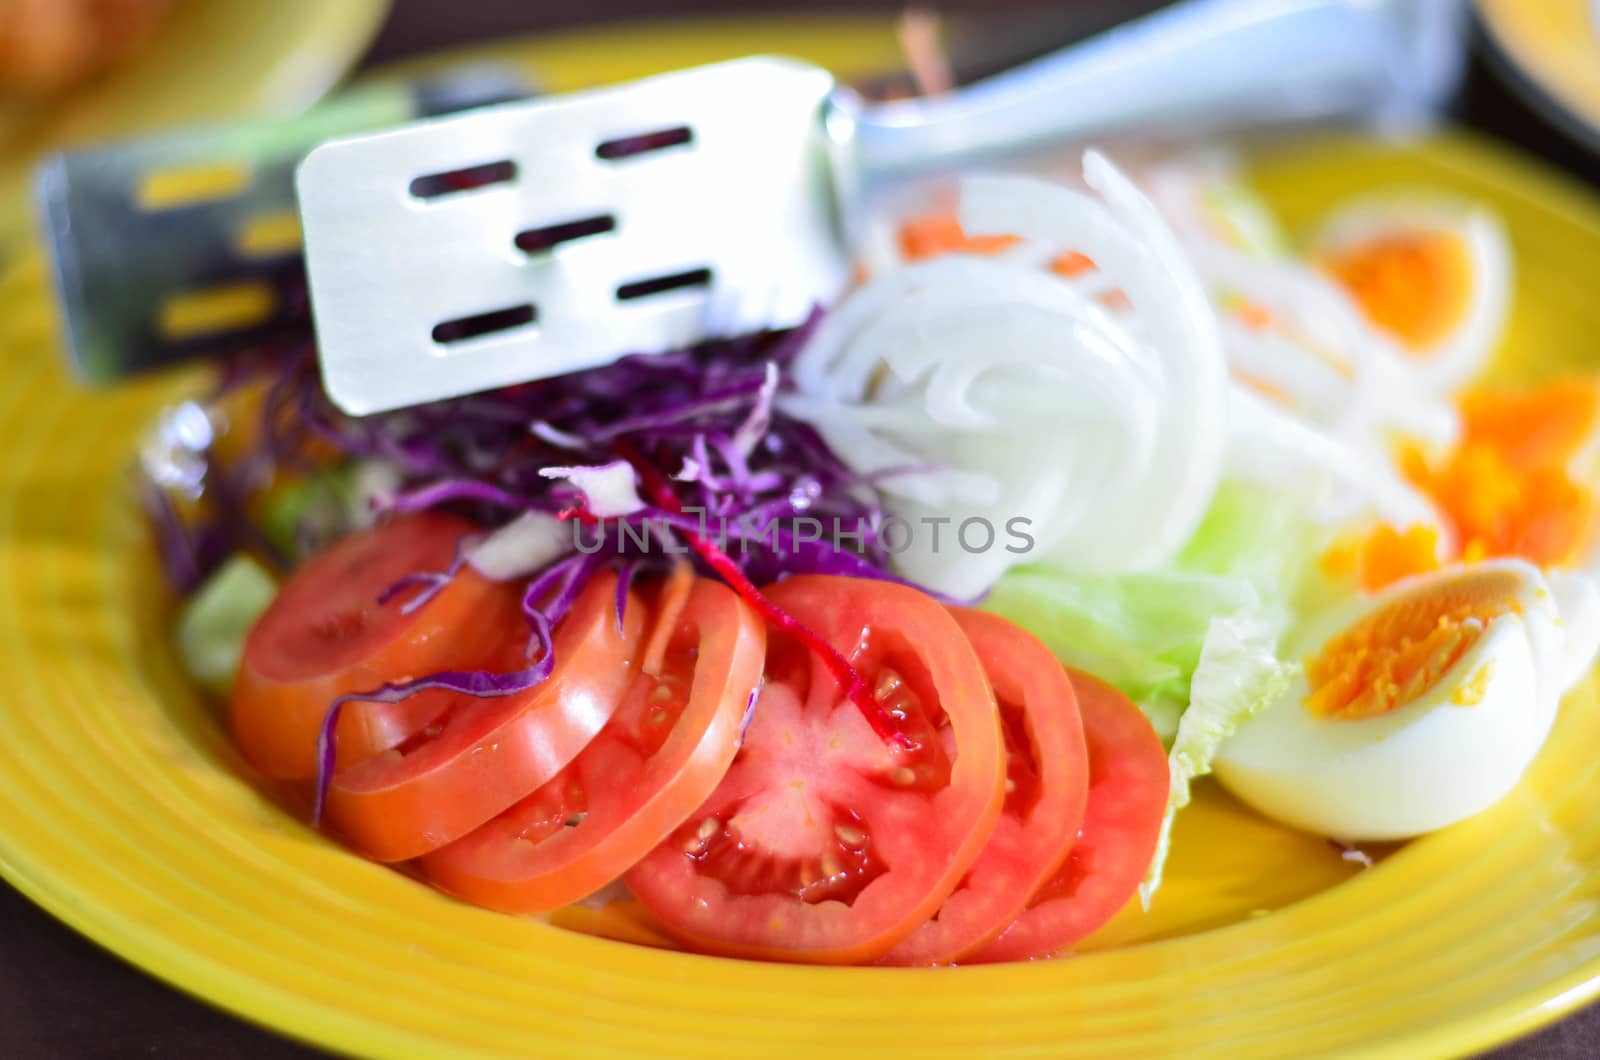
x=214, y=621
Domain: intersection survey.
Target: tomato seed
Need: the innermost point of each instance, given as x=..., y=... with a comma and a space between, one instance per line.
x=904, y=776
x=708, y=828
x=830, y=865
x=850, y=835
x=662, y=693
x=659, y=717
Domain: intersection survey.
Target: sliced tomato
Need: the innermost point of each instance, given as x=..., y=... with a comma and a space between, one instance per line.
x=326, y=634
x=658, y=759
x=486, y=753
x=1128, y=782
x=823, y=843
x=1047, y=784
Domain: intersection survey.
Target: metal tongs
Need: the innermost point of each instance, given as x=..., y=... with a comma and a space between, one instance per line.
x=529, y=239
x=187, y=243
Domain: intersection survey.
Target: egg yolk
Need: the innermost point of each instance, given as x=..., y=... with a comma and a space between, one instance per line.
x=1534, y=428
x=1508, y=488
x=1401, y=650
x=1414, y=284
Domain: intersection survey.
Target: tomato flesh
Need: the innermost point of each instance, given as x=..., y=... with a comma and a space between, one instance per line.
x=659, y=758
x=487, y=753
x=1047, y=772
x=1128, y=783
x=326, y=634
x=823, y=843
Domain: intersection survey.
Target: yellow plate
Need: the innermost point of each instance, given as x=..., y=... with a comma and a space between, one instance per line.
x=1553, y=50
x=209, y=60
x=125, y=811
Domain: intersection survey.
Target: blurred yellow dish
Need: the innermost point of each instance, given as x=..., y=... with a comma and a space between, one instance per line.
x=1551, y=52
x=207, y=60
x=125, y=810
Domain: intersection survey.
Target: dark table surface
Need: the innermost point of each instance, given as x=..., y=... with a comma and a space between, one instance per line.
x=62, y=996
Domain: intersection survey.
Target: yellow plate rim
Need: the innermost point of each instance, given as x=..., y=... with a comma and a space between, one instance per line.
x=322, y=1022
x=1550, y=52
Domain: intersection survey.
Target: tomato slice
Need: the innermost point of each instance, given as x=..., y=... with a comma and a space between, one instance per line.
x=484, y=754
x=1047, y=784
x=823, y=843
x=658, y=759
x=326, y=634
x=1128, y=782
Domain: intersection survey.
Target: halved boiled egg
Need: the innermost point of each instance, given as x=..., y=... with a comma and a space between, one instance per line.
x=1433, y=272
x=1417, y=707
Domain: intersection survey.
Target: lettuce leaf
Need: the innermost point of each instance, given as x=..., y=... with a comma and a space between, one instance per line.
x=1239, y=674
x=1142, y=633
x=213, y=623
x=1194, y=645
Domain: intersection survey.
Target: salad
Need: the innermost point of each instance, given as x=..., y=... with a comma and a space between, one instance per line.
x=901, y=637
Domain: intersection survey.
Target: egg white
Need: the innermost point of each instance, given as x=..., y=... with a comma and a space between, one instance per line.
x=1426, y=764
x=1460, y=355
x=1577, y=595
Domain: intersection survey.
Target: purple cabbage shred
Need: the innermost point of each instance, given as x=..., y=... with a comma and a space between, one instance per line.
x=704, y=417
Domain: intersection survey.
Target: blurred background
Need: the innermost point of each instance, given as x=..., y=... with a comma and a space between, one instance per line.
x=76, y=72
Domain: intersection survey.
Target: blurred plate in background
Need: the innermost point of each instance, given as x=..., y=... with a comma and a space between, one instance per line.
x=1549, y=52
x=208, y=60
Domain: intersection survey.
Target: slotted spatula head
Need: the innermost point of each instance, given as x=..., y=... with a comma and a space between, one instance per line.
x=532, y=239
x=535, y=239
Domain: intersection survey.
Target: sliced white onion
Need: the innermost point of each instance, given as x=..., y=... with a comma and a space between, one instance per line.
x=372, y=484
x=609, y=489
x=1321, y=356
x=1338, y=481
x=1339, y=371
x=1104, y=427
x=521, y=547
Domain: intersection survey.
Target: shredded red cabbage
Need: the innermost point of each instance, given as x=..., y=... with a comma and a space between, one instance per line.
x=723, y=471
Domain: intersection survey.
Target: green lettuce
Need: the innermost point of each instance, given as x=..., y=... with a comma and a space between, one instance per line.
x=1141, y=633
x=1239, y=674
x=213, y=623
x=1194, y=645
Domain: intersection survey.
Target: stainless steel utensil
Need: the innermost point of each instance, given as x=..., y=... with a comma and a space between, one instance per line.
x=185, y=243
x=528, y=240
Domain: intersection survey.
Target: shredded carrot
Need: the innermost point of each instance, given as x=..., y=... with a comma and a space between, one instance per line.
x=1072, y=264
x=1265, y=387
x=674, y=598
x=1535, y=428
x=934, y=234
x=1255, y=316
x=939, y=232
